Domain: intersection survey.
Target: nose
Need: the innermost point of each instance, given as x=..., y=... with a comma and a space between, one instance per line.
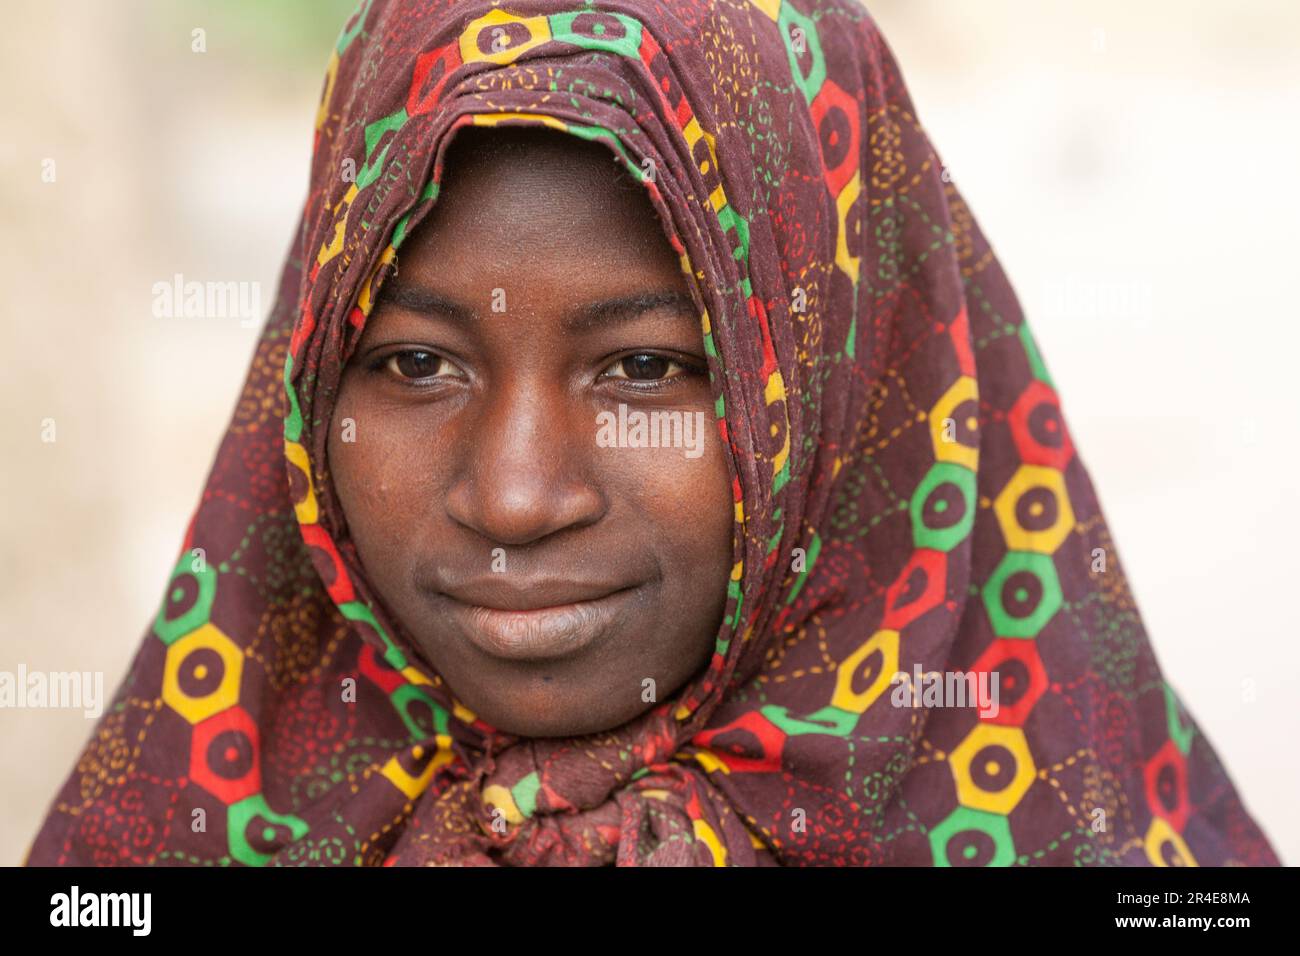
x=526, y=471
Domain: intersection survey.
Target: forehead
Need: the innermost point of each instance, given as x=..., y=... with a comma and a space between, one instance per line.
x=516, y=199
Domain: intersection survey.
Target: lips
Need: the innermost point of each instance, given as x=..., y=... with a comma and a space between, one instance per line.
x=542, y=622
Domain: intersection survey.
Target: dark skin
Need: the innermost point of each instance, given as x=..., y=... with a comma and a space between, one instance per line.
x=545, y=577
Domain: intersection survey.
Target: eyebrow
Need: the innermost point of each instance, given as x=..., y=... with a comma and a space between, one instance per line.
x=623, y=308
x=419, y=299
x=605, y=312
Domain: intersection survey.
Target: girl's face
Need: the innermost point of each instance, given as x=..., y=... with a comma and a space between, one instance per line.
x=561, y=580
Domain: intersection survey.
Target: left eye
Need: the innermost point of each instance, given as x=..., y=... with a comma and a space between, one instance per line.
x=645, y=367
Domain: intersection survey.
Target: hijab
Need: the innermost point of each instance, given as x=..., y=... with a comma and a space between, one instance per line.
x=910, y=510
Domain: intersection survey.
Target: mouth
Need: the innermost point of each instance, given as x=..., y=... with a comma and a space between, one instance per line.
x=538, y=633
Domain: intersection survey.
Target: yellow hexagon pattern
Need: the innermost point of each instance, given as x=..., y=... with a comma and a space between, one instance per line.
x=962, y=390
x=1020, y=538
x=539, y=31
x=968, y=791
x=226, y=694
x=845, y=698
x=1160, y=833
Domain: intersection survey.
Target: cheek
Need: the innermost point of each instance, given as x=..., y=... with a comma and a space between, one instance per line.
x=377, y=475
x=689, y=503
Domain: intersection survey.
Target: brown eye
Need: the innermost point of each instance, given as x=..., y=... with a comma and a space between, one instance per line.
x=415, y=364
x=644, y=367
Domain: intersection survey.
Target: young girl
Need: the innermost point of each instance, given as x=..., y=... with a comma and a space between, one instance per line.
x=646, y=463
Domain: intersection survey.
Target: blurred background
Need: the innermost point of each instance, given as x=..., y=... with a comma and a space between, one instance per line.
x=1132, y=165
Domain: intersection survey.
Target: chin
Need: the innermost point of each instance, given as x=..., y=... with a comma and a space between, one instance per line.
x=548, y=722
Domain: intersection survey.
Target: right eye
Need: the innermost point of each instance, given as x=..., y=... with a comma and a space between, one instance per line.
x=417, y=365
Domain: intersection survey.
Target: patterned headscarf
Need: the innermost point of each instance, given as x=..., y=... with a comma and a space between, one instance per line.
x=908, y=501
